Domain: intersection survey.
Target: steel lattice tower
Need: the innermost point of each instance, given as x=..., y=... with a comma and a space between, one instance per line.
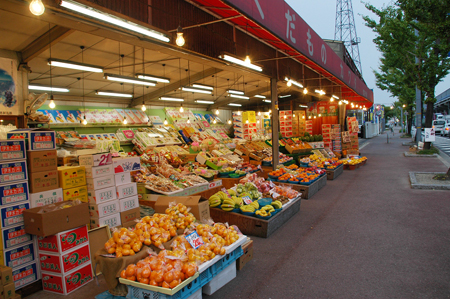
x=345, y=30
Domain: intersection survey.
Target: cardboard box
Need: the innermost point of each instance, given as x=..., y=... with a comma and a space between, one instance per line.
x=13, y=214
x=14, y=193
x=95, y=160
x=129, y=203
x=12, y=150
x=63, y=161
x=123, y=178
x=247, y=248
x=126, y=190
x=43, y=181
x=102, y=195
x=67, y=283
x=6, y=276
x=55, y=221
x=101, y=182
x=130, y=215
x=111, y=221
x=36, y=139
x=17, y=296
x=19, y=256
x=104, y=209
x=64, y=241
x=199, y=205
x=80, y=193
x=14, y=236
x=13, y=172
x=98, y=171
x=71, y=176
x=9, y=291
x=25, y=275
x=126, y=164
x=66, y=262
x=46, y=198
x=39, y=161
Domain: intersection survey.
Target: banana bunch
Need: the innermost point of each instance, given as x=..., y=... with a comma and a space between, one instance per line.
x=248, y=209
x=262, y=213
x=229, y=204
x=277, y=204
x=268, y=208
x=216, y=199
x=255, y=204
x=238, y=200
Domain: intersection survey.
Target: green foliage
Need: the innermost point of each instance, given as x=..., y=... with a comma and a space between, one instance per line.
x=430, y=151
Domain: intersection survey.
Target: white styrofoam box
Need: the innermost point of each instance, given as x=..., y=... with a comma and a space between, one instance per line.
x=126, y=190
x=46, y=197
x=196, y=295
x=221, y=279
x=93, y=172
x=129, y=203
x=126, y=164
x=104, y=209
x=14, y=193
x=122, y=178
x=96, y=160
x=102, y=195
x=21, y=255
x=111, y=221
x=100, y=182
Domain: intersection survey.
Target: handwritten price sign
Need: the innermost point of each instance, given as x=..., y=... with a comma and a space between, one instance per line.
x=194, y=239
x=247, y=200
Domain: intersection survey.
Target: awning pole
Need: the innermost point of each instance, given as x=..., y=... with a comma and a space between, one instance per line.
x=275, y=123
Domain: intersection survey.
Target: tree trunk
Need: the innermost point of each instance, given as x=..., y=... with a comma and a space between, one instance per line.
x=410, y=119
x=428, y=120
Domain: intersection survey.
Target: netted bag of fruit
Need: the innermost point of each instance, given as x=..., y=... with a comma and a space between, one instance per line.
x=180, y=243
x=124, y=242
x=180, y=214
x=228, y=233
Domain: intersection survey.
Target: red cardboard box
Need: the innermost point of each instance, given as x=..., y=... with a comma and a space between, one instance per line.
x=66, y=262
x=67, y=283
x=64, y=241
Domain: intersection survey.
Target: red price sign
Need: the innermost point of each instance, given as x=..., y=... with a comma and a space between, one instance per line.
x=247, y=200
x=194, y=239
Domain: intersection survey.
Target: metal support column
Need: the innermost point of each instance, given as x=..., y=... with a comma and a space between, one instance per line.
x=275, y=124
x=401, y=116
x=418, y=104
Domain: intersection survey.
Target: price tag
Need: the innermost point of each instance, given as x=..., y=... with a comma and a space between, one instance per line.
x=247, y=200
x=194, y=239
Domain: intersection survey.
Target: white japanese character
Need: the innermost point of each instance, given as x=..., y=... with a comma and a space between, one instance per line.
x=310, y=44
x=290, y=26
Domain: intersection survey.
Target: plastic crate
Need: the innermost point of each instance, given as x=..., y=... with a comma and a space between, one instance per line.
x=108, y=295
x=221, y=264
x=138, y=293
x=205, y=276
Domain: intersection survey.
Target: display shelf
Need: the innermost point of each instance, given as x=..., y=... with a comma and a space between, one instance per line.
x=95, y=126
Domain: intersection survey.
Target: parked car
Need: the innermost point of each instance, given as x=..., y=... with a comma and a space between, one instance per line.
x=438, y=125
x=446, y=130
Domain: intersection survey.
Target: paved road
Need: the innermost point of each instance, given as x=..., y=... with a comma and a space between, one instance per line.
x=443, y=144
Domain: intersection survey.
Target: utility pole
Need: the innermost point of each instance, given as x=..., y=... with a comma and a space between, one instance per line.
x=418, y=104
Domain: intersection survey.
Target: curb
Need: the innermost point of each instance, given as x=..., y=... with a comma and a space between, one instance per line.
x=416, y=185
x=407, y=154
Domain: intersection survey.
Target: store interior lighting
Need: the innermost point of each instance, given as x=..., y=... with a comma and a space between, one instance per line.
x=170, y=99
x=37, y=8
x=102, y=16
x=319, y=91
x=204, y=102
x=238, y=61
x=48, y=88
x=181, y=108
x=303, y=106
x=305, y=91
x=260, y=96
x=180, y=38
x=217, y=111
x=229, y=121
x=285, y=96
x=143, y=108
x=52, y=104
x=233, y=91
x=152, y=78
x=336, y=97
x=290, y=82
x=75, y=65
x=84, y=120
x=125, y=121
x=237, y=96
x=201, y=86
x=130, y=80
x=236, y=105
x=113, y=94
x=267, y=101
x=192, y=89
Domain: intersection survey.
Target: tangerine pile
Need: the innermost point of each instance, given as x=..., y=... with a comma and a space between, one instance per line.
x=278, y=172
x=165, y=270
x=180, y=215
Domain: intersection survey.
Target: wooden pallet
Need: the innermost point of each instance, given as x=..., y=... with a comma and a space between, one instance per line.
x=333, y=174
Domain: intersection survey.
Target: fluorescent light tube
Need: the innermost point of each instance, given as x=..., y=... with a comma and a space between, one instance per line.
x=99, y=15
x=239, y=96
x=267, y=101
x=285, y=96
x=233, y=104
x=114, y=94
x=48, y=88
x=232, y=91
x=202, y=86
x=191, y=89
x=293, y=82
x=241, y=62
x=204, y=102
x=337, y=98
x=171, y=99
x=130, y=80
x=75, y=65
x=152, y=78
x=260, y=96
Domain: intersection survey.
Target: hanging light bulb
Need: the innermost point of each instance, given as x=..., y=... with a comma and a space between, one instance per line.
x=259, y=113
x=270, y=110
x=289, y=83
x=52, y=104
x=217, y=111
x=125, y=121
x=84, y=120
x=188, y=121
x=181, y=108
x=37, y=8
x=305, y=91
x=315, y=116
x=239, y=112
x=143, y=107
x=180, y=39
x=303, y=117
x=229, y=121
x=309, y=117
x=214, y=121
x=320, y=115
x=246, y=121
x=285, y=117
x=293, y=115
x=257, y=121
x=331, y=99
x=247, y=59
x=166, y=122
x=340, y=103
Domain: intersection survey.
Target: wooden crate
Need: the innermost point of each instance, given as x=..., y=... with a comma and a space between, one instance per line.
x=333, y=174
x=253, y=226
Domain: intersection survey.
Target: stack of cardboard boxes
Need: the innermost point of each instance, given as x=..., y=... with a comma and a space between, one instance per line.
x=7, y=289
x=295, y=124
x=65, y=260
x=309, y=127
x=244, y=124
x=286, y=123
x=238, y=125
x=72, y=180
x=326, y=133
x=336, y=138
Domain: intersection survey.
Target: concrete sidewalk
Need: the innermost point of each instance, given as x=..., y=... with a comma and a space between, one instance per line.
x=365, y=235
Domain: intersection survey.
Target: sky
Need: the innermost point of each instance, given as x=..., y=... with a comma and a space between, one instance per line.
x=320, y=16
